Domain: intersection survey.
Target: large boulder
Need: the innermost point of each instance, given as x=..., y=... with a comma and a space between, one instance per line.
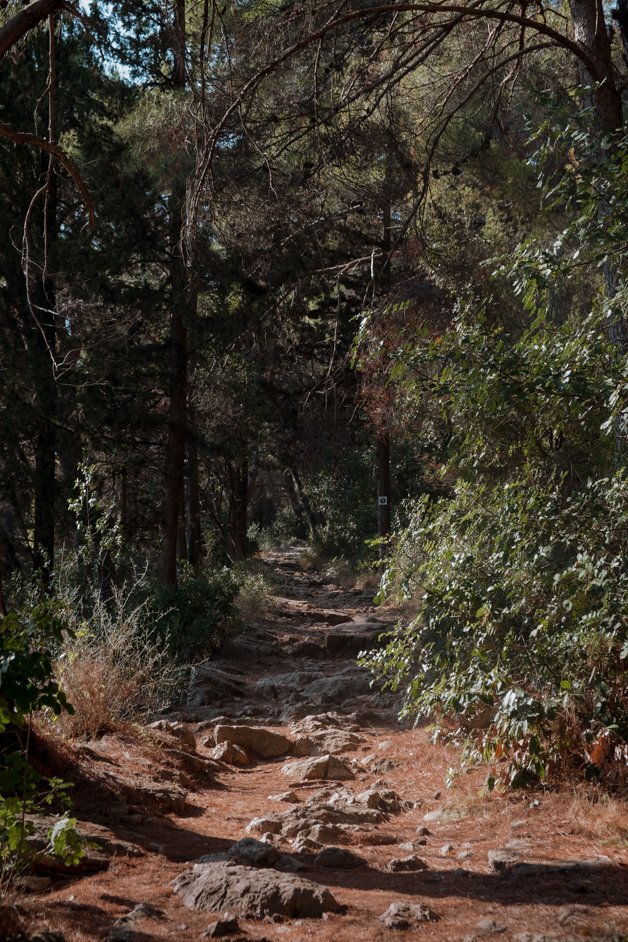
x=336, y=689
x=253, y=893
x=254, y=739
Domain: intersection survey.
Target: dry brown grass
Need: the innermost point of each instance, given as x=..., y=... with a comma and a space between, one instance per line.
x=113, y=671
x=255, y=598
x=599, y=816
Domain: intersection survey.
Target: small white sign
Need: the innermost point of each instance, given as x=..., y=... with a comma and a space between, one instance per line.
x=382, y=501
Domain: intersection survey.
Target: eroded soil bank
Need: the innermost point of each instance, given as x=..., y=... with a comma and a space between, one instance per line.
x=349, y=807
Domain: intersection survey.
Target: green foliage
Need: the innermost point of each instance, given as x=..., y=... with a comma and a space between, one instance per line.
x=519, y=577
x=345, y=499
x=27, y=683
x=28, y=641
x=24, y=795
x=195, y=617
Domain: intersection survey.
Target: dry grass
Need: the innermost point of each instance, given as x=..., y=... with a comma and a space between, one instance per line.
x=11, y=924
x=255, y=598
x=599, y=816
x=113, y=671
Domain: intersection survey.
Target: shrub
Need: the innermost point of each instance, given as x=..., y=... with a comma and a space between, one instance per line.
x=195, y=617
x=520, y=635
x=117, y=666
x=28, y=684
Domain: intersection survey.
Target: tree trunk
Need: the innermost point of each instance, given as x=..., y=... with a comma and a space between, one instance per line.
x=180, y=297
x=177, y=412
x=383, y=434
x=383, y=485
x=301, y=502
x=591, y=33
x=44, y=296
x=238, y=506
x=195, y=533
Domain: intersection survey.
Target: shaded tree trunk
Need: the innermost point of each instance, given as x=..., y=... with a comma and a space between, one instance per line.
x=383, y=484
x=238, y=506
x=592, y=34
x=180, y=297
x=44, y=301
x=195, y=534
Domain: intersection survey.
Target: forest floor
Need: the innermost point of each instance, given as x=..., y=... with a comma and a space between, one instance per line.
x=155, y=799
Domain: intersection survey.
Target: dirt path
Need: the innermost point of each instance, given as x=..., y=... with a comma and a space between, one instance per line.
x=156, y=801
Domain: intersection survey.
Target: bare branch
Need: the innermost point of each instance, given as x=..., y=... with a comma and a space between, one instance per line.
x=22, y=137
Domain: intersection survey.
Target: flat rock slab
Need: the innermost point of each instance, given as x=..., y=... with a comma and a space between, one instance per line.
x=321, y=767
x=253, y=893
x=254, y=739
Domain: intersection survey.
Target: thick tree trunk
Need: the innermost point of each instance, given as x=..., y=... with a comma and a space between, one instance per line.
x=27, y=18
x=383, y=434
x=592, y=34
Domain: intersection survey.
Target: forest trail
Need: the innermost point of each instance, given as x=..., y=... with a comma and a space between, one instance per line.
x=527, y=867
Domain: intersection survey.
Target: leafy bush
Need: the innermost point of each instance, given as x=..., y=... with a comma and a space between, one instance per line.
x=194, y=617
x=27, y=681
x=519, y=577
x=345, y=499
x=28, y=684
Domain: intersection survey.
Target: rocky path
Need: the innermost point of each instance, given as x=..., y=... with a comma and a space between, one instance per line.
x=285, y=802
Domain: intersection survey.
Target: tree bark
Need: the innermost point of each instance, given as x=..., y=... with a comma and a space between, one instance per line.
x=592, y=35
x=383, y=484
x=44, y=294
x=28, y=17
x=238, y=506
x=180, y=296
x=195, y=534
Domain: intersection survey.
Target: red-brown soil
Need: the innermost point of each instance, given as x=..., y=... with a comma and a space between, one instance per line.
x=116, y=777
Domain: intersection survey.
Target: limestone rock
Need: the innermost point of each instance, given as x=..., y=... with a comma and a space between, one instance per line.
x=320, y=767
x=253, y=893
x=288, y=797
x=407, y=915
x=178, y=731
x=272, y=825
x=232, y=754
x=502, y=860
x=228, y=925
x=254, y=739
x=336, y=689
x=337, y=858
x=305, y=746
x=406, y=864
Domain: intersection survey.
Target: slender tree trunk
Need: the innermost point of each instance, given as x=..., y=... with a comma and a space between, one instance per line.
x=44, y=295
x=195, y=535
x=383, y=433
x=301, y=501
x=180, y=297
x=383, y=485
x=238, y=506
